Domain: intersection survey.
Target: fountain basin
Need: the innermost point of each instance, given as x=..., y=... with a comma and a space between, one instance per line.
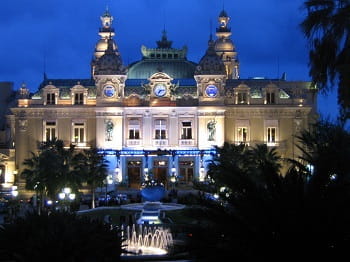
x=161, y=206
x=146, y=240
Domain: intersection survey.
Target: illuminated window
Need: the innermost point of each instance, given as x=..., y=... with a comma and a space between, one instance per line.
x=160, y=129
x=242, y=134
x=50, y=99
x=271, y=135
x=186, y=131
x=79, y=132
x=79, y=98
x=134, y=129
x=242, y=131
x=50, y=130
x=242, y=98
x=270, y=97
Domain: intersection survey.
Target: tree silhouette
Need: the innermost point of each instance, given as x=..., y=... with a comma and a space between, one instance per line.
x=326, y=26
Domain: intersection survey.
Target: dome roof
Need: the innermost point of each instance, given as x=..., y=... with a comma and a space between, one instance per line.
x=110, y=63
x=174, y=68
x=211, y=63
x=102, y=46
x=224, y=45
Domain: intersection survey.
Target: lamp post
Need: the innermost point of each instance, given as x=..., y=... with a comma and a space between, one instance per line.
x=107, y=181
x=66, y=195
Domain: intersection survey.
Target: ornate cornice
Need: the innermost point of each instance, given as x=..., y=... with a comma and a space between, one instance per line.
x=246, y=112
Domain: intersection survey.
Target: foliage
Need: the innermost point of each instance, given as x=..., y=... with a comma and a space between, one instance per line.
x=58, y=237
x=327, y=29
x=92, y=167
x=48, y=171
x=55, y=167
x=325, y=147
x=264, y=215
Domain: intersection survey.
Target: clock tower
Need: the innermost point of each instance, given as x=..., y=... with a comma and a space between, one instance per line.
x=225, y=48
x=108, y=70
x=210, y=77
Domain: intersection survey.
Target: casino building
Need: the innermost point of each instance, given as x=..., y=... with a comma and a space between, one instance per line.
x=161, y=117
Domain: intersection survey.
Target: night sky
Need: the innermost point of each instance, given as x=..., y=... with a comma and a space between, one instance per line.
x=59, y=36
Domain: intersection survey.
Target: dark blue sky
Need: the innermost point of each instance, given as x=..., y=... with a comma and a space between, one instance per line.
x=60, y=35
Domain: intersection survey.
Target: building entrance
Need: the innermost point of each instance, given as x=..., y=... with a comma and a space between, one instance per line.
x=134, y=173
x=160, y=171
x=186, y=168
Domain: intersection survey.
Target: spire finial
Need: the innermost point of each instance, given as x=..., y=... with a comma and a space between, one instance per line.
x=211, y=29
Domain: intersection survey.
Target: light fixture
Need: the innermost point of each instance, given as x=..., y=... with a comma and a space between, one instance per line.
x=61, y=195
x=67, y=190
x=71, y=196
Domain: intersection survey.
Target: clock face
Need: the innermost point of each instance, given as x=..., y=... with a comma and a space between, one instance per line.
x=109, y=91
x=211, y=91
x=159, y=90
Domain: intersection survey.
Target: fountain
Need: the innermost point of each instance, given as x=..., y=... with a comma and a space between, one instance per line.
x=147, y=240
x=150, y=210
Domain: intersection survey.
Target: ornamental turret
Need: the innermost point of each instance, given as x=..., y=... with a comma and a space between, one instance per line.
x=210, y=76
x=106, y=32
x=225, y=48
x=107, y=66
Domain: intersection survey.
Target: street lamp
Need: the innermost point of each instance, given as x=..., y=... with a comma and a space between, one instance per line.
x=66, y=195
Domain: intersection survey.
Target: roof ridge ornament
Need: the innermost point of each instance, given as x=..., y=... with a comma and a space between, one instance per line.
x=164, y=43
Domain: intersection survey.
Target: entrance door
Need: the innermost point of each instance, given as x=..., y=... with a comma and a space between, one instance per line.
x=160, y=169
x=134, y=174
x=186, y=171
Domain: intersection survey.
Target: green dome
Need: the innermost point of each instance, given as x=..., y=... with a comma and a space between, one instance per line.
x=143, y=69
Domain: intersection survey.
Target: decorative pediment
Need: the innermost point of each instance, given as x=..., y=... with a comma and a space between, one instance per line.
x=160, y=85
x=242, y=87
x=78, y=87
x=160, y=76
x=271, y=87
x=50, y=87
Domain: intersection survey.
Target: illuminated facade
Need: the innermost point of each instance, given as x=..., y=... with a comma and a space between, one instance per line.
x=161, y=117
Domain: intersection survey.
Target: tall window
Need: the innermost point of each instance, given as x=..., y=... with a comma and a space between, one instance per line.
x=186, y=131
x=50, y=130
x=50, y=99
x=242, y=98
x=271, y=134
x=78, y=98
x=134, y=129
x=242, y=134
x=160, y=129
x=270, y=97
x=79, y=132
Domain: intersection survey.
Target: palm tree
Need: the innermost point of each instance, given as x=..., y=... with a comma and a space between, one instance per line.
x=50, y=170
x=327, y=27
x=42, y=174
x=93, y=167
x=259, y=207
x=326, y=149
